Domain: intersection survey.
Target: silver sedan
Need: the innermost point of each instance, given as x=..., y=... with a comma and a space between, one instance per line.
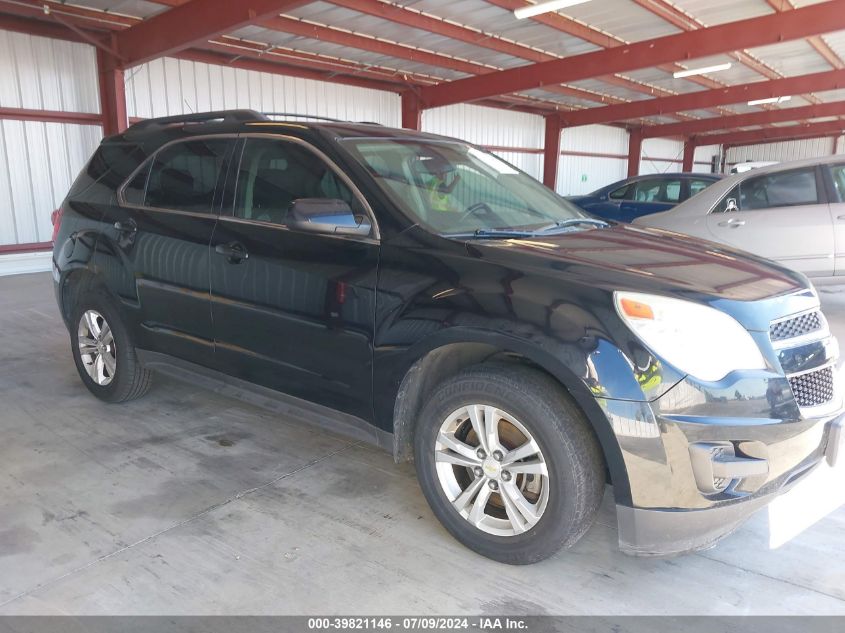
x=792, y=213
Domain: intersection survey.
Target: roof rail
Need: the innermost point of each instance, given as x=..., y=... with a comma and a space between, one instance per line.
x=227, y=116
x=294, y=115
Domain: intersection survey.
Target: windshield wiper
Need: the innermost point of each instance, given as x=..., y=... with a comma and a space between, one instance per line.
x=483, y=233
x=562, y=224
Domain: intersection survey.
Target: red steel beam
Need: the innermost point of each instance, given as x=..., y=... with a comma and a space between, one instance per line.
x=689, y=155
x=749, y=33
x=781, y=115
x=50, y=116
x=635, y=151
x=551, y=151
x=32, y=247
x=827, y=80
x=112, y=92
x=411, y=112
x=192, y=23
x=751, y=137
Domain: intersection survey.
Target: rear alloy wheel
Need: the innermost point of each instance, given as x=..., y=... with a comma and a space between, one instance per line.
x=96, y=347
x=508, y=463
x=103, y=349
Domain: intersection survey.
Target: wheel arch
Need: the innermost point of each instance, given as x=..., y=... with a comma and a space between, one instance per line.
x=444, y=356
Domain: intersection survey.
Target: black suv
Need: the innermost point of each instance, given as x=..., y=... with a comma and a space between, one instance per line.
x=421, y=294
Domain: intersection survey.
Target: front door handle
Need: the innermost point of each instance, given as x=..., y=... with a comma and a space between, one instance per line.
x=234, y=252
x=840, y=217
x=734, y=224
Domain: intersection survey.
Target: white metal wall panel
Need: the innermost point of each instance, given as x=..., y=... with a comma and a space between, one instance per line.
x=170, y=86
x=485, y=126
x=783, y=151
x=705, y=154
x=663, y=148
x=46, y=74
x=583, y=174
x=38, y=163
x=492, y=127
x=840, y=145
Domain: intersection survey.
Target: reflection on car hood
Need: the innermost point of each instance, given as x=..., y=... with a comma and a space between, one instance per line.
x=626, y=257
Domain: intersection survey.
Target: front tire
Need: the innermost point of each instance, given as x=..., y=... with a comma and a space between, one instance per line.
x=103, y=350
x=508, y=463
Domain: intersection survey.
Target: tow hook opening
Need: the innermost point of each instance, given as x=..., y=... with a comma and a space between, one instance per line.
x=717, y=466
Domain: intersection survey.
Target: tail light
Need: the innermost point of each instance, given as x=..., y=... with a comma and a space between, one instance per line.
x=56, y=219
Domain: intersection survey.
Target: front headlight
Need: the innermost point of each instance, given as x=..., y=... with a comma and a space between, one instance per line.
x=696, y=339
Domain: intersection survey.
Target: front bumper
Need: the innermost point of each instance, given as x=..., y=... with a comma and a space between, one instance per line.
x=690, y=520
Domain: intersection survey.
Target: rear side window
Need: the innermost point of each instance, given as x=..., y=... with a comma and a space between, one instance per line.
x=696, y=186
x=784, y=189
x=838, y=173
x=183, y=176
x=658, y=190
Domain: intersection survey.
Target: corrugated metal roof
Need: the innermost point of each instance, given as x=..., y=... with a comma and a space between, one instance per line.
x=136, y=8
x=486, y=17
x=792, y=58
x=328, y=14
x=711, y=12
x=622, y=18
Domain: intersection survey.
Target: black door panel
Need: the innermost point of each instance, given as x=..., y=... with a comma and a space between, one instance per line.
x=161, y=236
x=297, y=314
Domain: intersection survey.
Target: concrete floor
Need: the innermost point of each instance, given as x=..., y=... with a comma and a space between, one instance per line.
x=184, y=502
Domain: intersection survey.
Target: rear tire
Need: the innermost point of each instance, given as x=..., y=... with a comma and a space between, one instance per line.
x=532, y=501
x=103, y=350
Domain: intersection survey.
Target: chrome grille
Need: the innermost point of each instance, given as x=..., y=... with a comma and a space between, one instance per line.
x=813, y=388
x=796, y=326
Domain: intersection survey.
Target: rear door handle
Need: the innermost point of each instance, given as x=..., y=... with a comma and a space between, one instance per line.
x=234, y=252
x=734, y=224
x=840, y=217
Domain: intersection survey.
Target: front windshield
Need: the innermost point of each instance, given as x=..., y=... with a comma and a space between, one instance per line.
x=455, y=189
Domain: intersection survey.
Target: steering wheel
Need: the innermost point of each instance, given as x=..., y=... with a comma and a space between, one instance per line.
x=473, y=209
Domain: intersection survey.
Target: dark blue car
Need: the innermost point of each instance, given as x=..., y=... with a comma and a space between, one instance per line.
x=634, y=197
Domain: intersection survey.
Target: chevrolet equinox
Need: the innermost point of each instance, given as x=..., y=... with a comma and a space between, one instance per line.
x=418, y=293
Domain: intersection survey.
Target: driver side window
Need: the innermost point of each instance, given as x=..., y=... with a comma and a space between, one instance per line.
x=274, y=173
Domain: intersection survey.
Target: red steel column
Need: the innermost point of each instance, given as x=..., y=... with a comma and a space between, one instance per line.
x=112, y=94
x=635, y=147
x=411, y=111
x=551, y=151
x=689, y=154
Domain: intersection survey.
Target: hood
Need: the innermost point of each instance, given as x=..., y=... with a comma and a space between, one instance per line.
x=627, y=257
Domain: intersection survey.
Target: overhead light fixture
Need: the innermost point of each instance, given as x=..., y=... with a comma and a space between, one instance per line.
x=544, y=7
x=691, y=72
x=769, y=100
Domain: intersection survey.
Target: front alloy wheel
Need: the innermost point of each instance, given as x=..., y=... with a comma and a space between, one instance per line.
x=96, y=347
x=508, y=462
x=492, y=470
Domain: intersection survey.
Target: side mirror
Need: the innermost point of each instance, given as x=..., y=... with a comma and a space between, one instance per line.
x=326, y=215
x=731, y=206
